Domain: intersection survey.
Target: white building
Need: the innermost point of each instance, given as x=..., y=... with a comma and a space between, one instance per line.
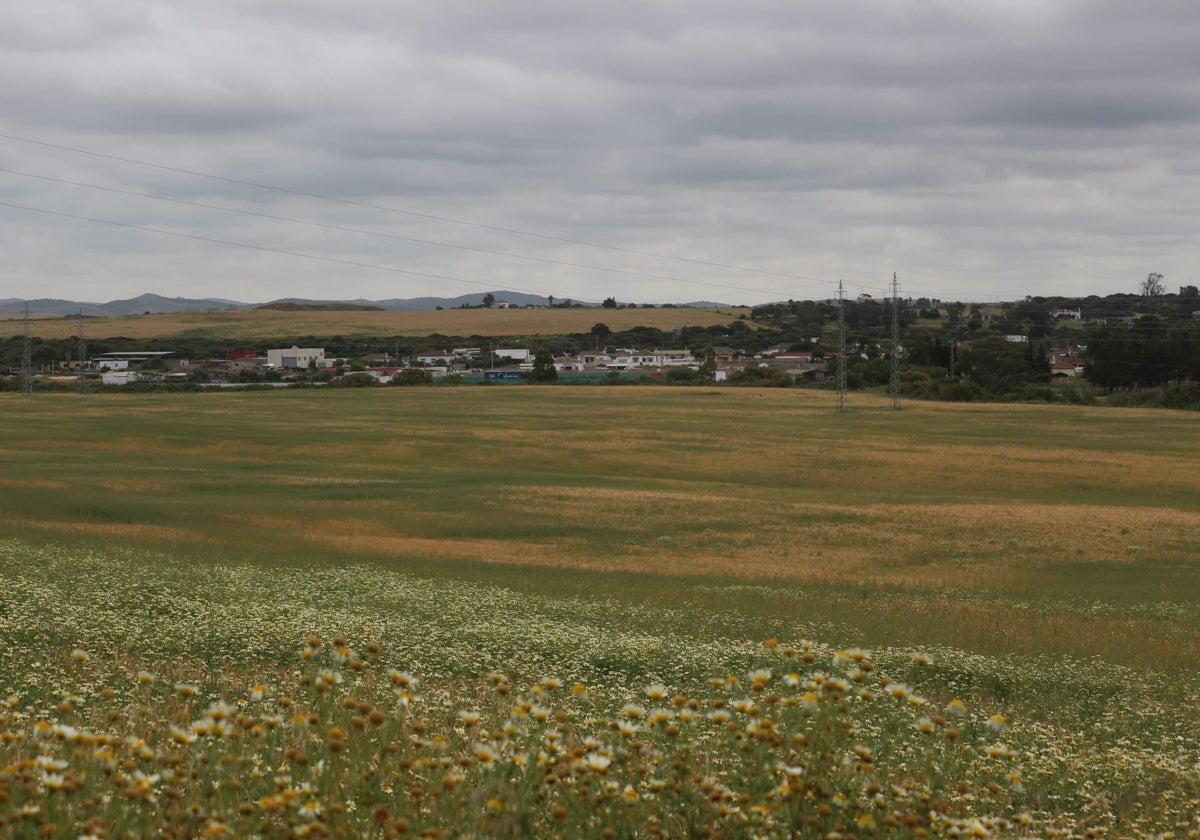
x=634, y=360
x=296, y=358
x=119, y=377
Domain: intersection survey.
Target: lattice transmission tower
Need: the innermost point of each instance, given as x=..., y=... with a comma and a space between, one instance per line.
x=81, y=383
x=841, y=348
x=895, y=384
x=27, y=358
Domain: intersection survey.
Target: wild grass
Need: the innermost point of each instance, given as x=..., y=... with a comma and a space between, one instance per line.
x=210, y=698
x=1044, y=557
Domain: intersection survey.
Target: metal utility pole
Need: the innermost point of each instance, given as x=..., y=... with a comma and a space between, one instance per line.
x=27, y=358
x=841, y=348
x=895, y=386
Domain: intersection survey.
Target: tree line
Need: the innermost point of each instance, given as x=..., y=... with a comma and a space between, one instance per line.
x=949, y=350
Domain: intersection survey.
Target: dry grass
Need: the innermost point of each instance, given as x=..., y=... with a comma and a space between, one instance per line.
x=263, y=324
x=946, y=504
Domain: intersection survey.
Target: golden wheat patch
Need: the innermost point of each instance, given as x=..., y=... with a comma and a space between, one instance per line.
x=34, y=483
x=263, y=324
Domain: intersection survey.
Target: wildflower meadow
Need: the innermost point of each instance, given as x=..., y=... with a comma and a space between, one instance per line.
x=405, y=619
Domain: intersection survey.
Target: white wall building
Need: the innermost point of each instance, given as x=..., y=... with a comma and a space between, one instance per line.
x=296, y=358
x=636, y=360
x=119, y=377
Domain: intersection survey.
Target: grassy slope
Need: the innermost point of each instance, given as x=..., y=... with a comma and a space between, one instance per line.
x=1045, y=556
x=954, y=522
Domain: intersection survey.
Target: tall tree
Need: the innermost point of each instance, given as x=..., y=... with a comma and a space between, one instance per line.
x=1152, y=286
x=543, y=366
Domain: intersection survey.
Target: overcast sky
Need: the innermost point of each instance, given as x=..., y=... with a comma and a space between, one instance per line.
x=980, y=149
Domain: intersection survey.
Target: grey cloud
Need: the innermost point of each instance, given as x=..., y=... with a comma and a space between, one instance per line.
x=1023, y=139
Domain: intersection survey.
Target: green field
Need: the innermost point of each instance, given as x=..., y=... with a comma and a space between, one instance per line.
x=1044, y=559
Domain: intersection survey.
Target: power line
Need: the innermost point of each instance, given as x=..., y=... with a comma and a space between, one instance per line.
x=995, y=299
x=303, y=255
x=417, y=214
x=364, y=232
x=283, y=251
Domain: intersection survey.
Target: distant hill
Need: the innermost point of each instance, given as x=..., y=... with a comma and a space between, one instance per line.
x=289, y=306
x=157, y=304
x=154, y=304
x=474, y=299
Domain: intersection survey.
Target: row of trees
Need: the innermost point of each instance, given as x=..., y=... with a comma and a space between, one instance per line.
x=1145, y=353
x=950, y=350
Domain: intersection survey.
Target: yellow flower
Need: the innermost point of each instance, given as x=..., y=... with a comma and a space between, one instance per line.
x=220, y=710
x=402, y=679
x=213, y=827
x=181, y=736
